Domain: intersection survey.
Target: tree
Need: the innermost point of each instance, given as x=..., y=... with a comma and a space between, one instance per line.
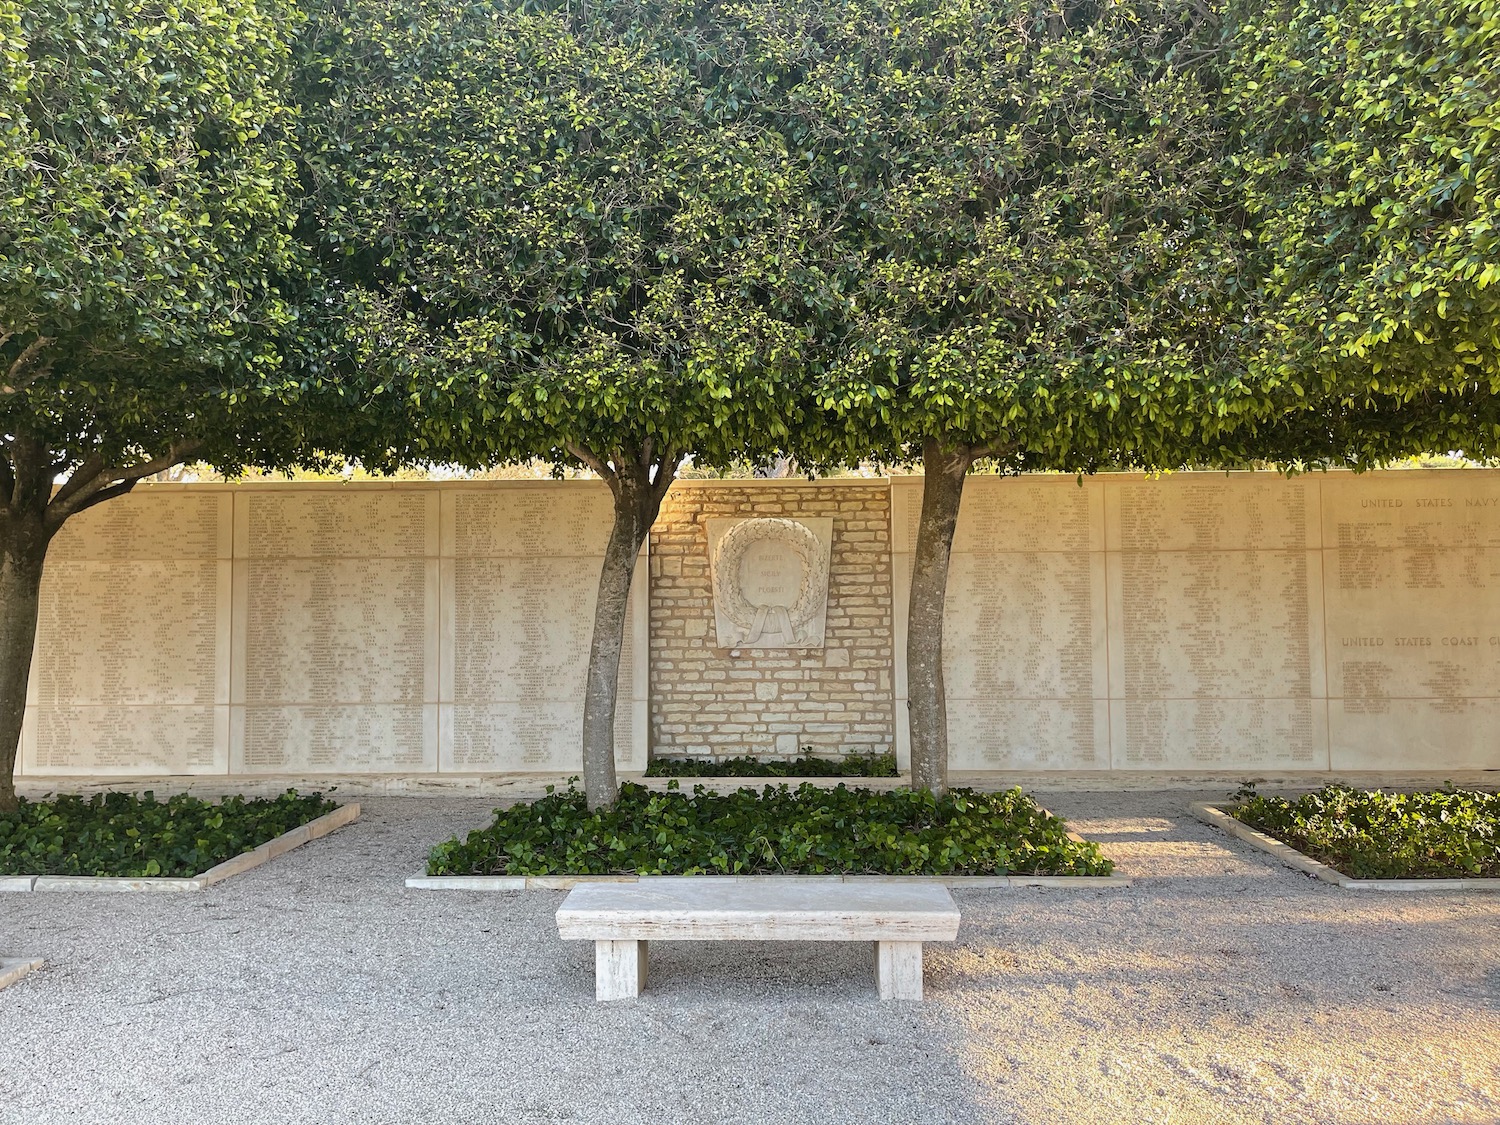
x=145, y=167
x=1149, y=234
x=1046, y=253
x=570, y=231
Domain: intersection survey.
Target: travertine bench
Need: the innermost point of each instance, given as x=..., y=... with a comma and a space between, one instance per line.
x=619, y=918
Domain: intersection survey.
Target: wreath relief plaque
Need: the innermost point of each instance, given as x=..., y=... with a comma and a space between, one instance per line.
x=770, y=579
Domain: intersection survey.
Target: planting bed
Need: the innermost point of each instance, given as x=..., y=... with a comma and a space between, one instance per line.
x=772, y=831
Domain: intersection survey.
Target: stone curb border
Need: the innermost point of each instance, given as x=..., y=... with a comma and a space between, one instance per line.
x=1216, y=816
x=13, y=969
x=568, y=882
x=305, y=833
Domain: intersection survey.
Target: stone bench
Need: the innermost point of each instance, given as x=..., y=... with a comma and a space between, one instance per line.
x=620, y=918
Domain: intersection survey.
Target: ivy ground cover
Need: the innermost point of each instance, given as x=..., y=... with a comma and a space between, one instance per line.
x=771, y=831
x=135, y=837
x=1369, y=834
x=849, y=765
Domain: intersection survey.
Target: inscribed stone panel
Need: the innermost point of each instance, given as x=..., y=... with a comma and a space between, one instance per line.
x=336, y=631
x=906, y=514
x=1024, y=657
x=1211, y=512
x=353, y=522
x=518, y=629
x=363, y=738
x=1028, y=514
x=149, y=523
x=1219, y=734
x=555, y=520
x=1024, y=625
x=132, y=639
x=1216, y=657
x=1415, y=734
x=1411, y=510
x=521, y=628
x=132, y=633
x=1000, y=733
x=770, y=581
x=534, y=736
x=1009, y=514
x=1412, y=577
x=128, y=741
x=1435, y=635
x=1214, y=624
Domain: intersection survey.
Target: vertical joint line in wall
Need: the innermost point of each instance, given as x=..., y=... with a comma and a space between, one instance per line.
x=441, y=624
x=1322, y=639
x=234, y=574
x=1109, y=656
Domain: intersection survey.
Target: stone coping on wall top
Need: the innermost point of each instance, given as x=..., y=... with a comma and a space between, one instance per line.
x=13, y=969
x=313, y=830
x=1217, y=816
x=741, y=482
x=423, y=882
x=492, y=485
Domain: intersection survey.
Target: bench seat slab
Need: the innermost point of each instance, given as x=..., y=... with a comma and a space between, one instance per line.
x=706, y=909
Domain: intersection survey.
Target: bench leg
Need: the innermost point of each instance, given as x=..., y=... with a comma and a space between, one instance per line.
x=898, y=970
x=619, y=969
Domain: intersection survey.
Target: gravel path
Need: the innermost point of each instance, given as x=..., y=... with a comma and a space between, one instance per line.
x=1221, y=988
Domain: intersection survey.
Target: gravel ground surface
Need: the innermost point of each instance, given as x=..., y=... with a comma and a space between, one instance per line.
x=1221, y=988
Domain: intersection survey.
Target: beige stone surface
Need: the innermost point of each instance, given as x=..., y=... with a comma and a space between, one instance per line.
x=619, y=969
x=702, y=908
x=13, y=969
x=1192, y=622
x=898, y=970
x=1026, y=660
x=131, y=669
x=1412, y=577
x=1214, y=610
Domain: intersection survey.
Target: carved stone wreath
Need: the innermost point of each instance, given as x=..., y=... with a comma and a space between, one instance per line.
x=753, y=619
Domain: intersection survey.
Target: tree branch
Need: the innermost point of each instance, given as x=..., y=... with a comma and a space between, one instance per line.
x=666, y=471
x=591, y=459
x=79, y=478
x=16, y=379
x=84, y=491
x=996, y=448
x=120, y=488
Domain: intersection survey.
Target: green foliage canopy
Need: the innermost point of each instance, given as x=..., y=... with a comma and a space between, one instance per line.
x=563, y=227
x=147, y=179
x=1046, y=252
x=1367, y=152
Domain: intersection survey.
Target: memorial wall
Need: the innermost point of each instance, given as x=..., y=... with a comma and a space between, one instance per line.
x=1234, y=623
x=1224, y=622
x=326, y=629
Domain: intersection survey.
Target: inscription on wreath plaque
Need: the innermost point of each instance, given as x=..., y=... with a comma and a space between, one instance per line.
x=770, y=581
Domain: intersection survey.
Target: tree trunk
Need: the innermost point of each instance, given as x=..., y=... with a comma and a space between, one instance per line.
x=942, y=490
x=637, y=500
x=23, y=551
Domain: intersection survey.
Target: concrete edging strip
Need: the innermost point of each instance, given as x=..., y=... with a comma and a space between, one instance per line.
x=1218, y=818
x=13, y=969
x=302, y=834
x=957, y=882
